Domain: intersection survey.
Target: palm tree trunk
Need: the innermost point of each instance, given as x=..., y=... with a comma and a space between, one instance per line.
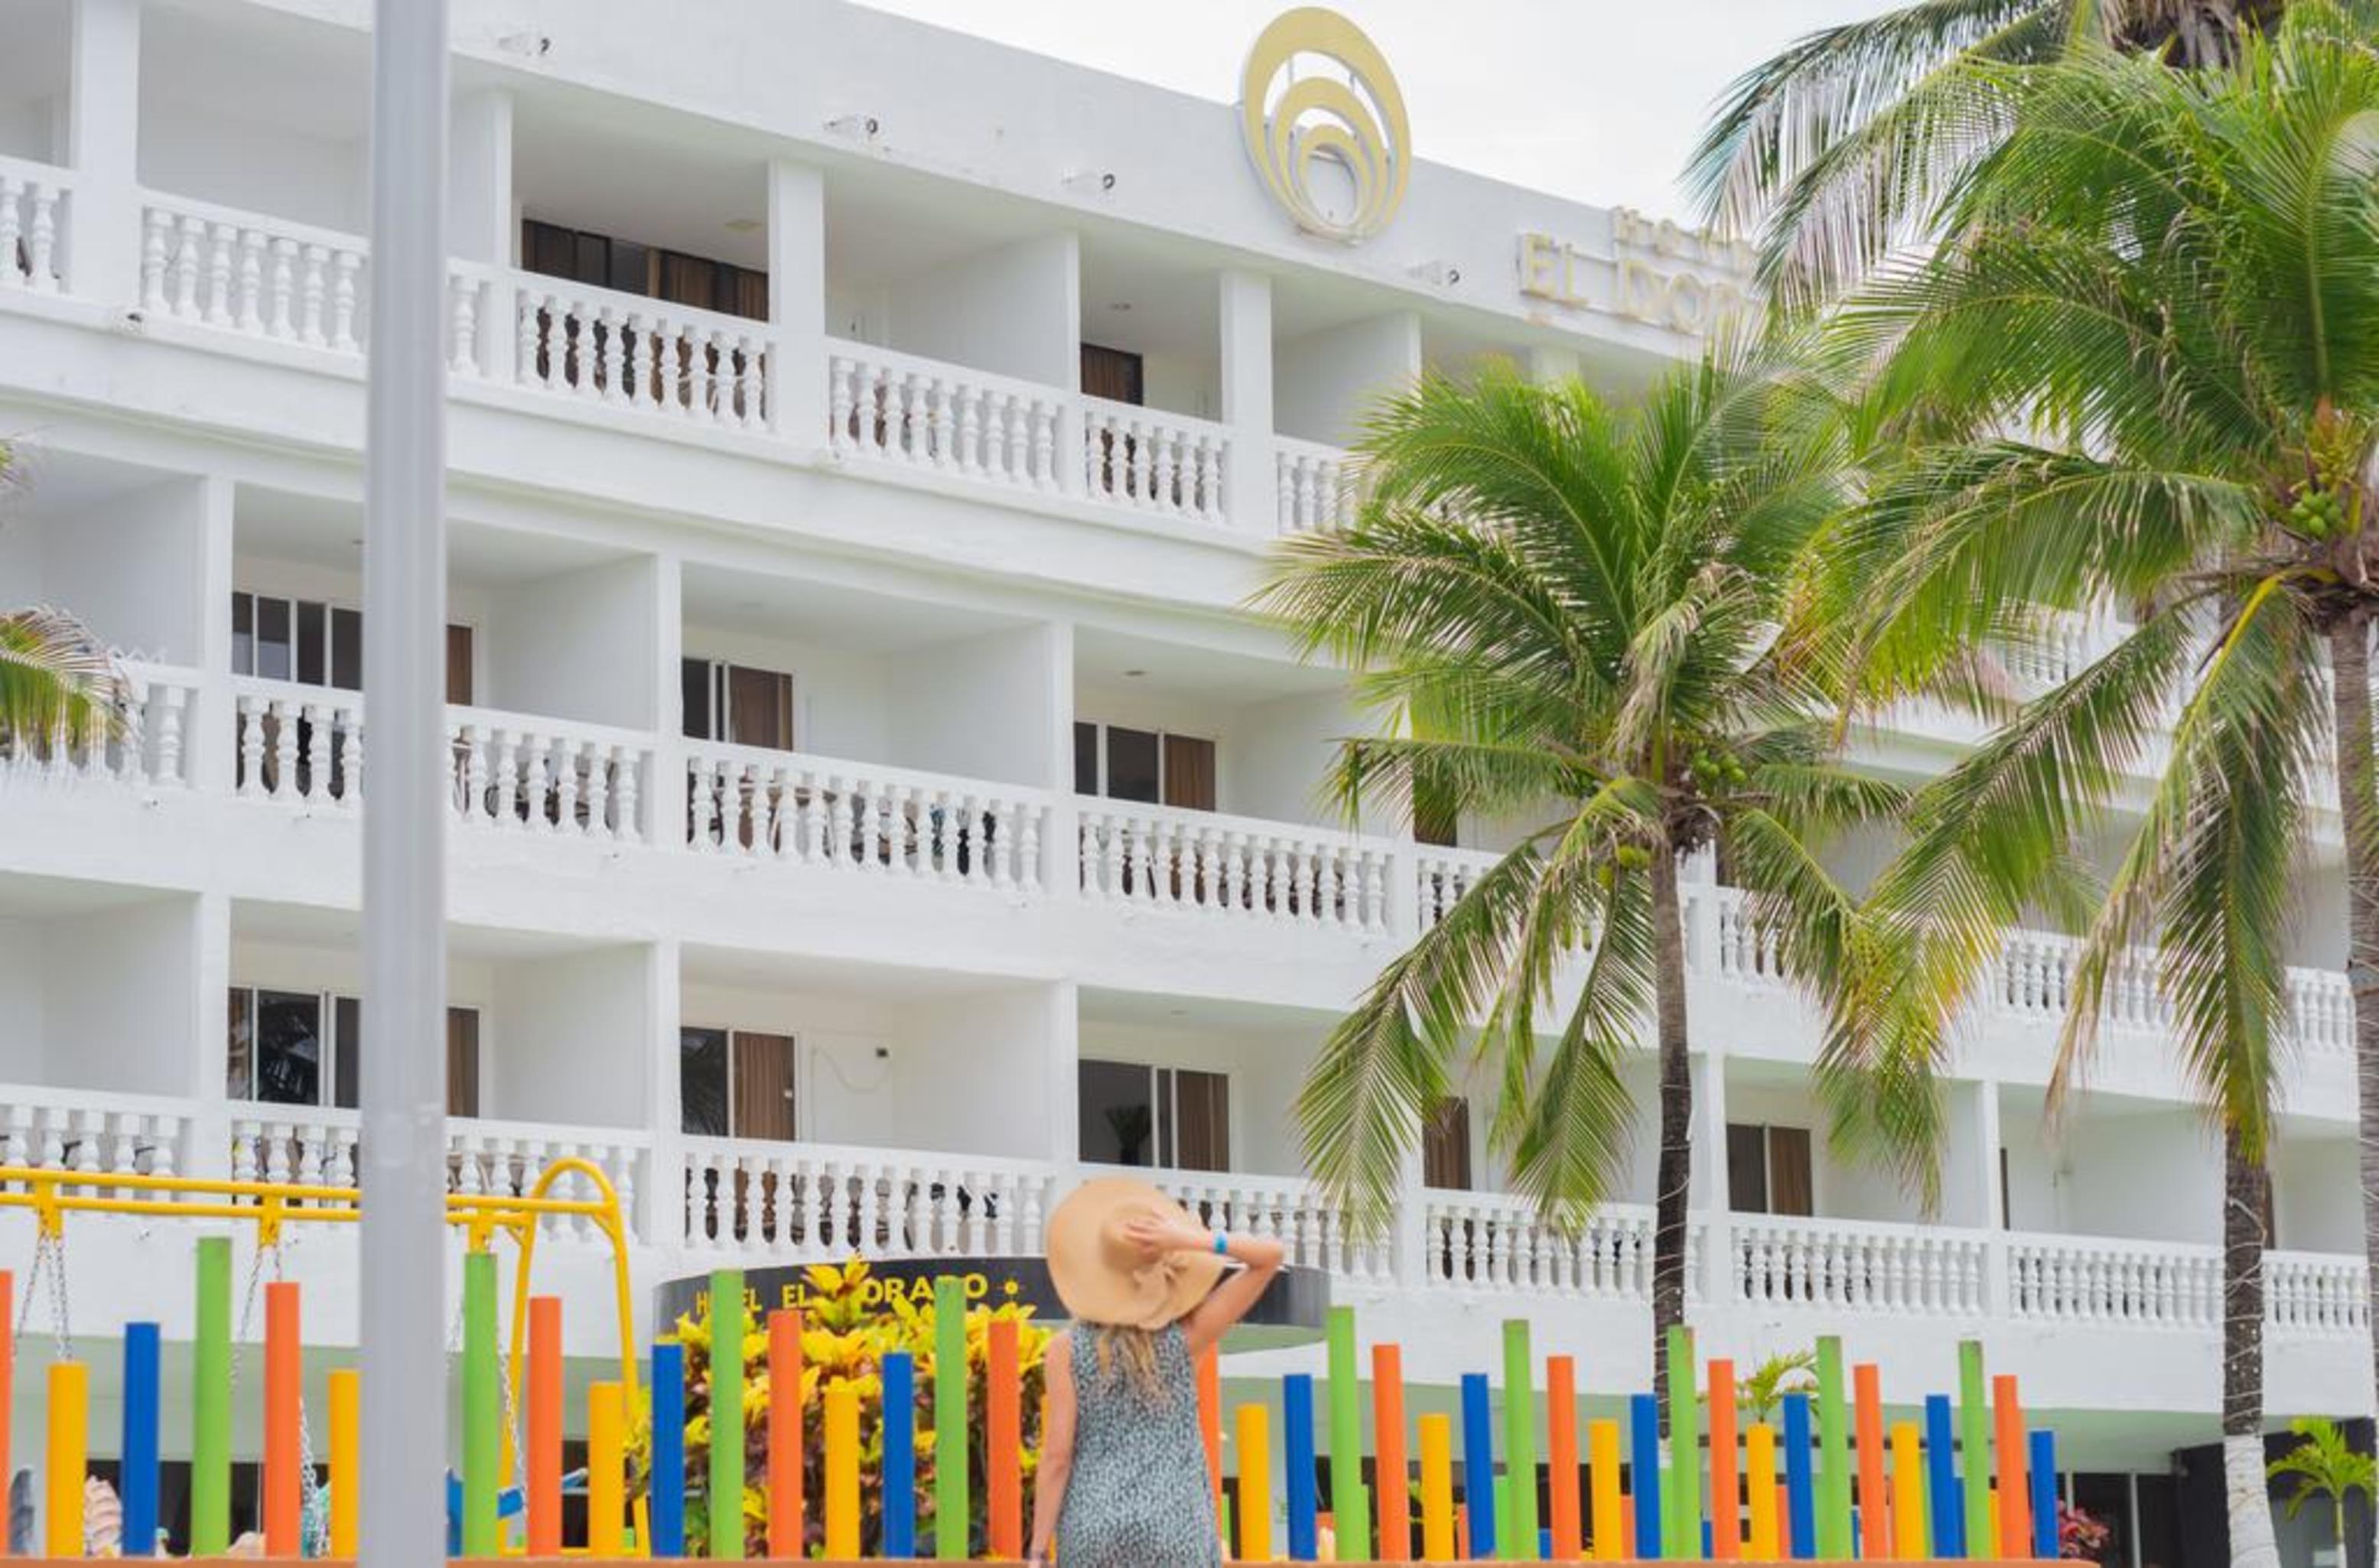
x=2358, y=807
x=1676, y=1179
x=2247, y=1493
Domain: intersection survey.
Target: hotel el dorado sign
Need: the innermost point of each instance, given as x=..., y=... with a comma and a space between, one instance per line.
x=1325, y=129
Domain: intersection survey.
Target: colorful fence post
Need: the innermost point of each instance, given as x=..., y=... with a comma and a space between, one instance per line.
x=1003, y=1383
x=137, y=1482
x=69, y=1449
x=607, y=1469
x=1684, y=1535
x=1759, y=1477
x=1726, y=1492
x=211, y=1402
x=666, y=1501
x=1255, y=1484
x=785, y=1500
x=1907, y=1493
x=1606, y=1518
x=1349, y=1518
x=346, y=1390
x=1644, y=1469
x=1874, y=1514
x=2044, y=1494
x=1210, y=1420
x=949, y=1417
x=841, y=1470
x=1975, y=1439
x=728, y=1316
x=1561, y=1455
x=1297, y=1446
x=483, y=1408
x=1800, y=1493
x=2015, y=1500
x=1945, y=1503
x=542, y=1463
x=284, y=1350
x=1436, y=1489
x=8, y=1367
x=1392, y=1467
x=1521, y=1542
x=1478, y=1465
x=1834, y=1452
x=899, y=1450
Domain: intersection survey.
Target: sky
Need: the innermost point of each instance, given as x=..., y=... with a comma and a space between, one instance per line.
x=1597, y=100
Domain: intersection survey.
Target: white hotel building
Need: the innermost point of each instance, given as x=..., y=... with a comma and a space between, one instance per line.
x=864, y=438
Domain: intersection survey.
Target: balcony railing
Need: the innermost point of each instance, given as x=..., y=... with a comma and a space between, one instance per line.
x=916, y=413
x=103, y=1134
x=1163, y=857
x=147, y=749
x=1485, y=1241
x=817, y=1203
x=1846, y=1265
x=1317, y=487
x=32, y=219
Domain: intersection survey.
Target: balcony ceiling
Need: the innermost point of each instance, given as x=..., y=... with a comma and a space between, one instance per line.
x=35, y=62
x=49, y=897
x=321, y=531
x=826, y=613
x=842, y=978
x=341, y=930
x=258, y=66
x=1109, y=659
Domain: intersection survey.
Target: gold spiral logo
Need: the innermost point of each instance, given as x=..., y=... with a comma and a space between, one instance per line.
x=1357, y=123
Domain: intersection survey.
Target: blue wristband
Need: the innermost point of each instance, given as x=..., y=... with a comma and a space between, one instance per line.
x=1222, y=1242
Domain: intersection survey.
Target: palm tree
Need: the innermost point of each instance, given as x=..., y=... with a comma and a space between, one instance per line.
x=2168, y=282
x=1575, y=616
x=2323, y=1465
x=1761, y=1391
x=1837, y=149
x=59, y=686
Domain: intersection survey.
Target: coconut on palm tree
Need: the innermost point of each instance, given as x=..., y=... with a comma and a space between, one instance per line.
x=2141, y=368
x=1580, y=618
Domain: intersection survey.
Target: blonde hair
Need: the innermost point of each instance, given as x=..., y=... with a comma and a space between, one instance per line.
x=1135, y=1349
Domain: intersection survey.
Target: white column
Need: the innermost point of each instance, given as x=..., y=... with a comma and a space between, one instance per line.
x=209, y=1046
x=1251, y=494
x=209, y=738
x=1410, y=1228
x=1063, y=1069
x=102, y=144
x=665, y=1188
x=797, y=398
x=1061, y=846
x=1711, y=1175
x=479, y=214
x=668, y=804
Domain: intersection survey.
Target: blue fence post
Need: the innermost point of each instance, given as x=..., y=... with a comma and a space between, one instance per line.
x=1297, y=1402
x=2044, y=1494
x=1800, y=1485
x=899, y=1454
x=1945, y=1498
x=139, y=1461
x=669, y=1449
x=1478, y=1465
x=1644, y=1472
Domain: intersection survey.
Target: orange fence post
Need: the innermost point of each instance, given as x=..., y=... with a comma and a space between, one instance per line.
x=1210, y=1420
x=1561, y=1455
x=2015, y=1497
x=1390, y=1475
x=1726, y=1492
x=1003, y=1440
x=1874, y=1514
x=283, y=1516
x=543, y=1461
x=785, y=1519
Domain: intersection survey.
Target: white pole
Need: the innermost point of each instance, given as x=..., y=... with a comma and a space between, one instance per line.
x=404, y=1175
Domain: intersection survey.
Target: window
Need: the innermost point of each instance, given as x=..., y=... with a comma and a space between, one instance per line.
x=738, y=703
x=1446, y=1146
x=736, y=1083
x=1767, y=1170
x=586, y=257
x=1149, y=766
x=317, y=644
x=1132, y=1114
x=303, y=1048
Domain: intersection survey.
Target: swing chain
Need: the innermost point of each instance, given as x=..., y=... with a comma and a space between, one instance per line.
x=47, y=1247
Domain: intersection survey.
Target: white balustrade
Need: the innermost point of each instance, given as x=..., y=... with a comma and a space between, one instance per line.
x=923, y=414
x=505, y=1159
x=2097, y=1281
x=146, y=747
x=1745, y=948
x=1317, y=487
x=1149, y=460
x=99, y=1134
x=1316, y=1234
x=820, y=1204
x=294, y=1145
x=519, y=771
x=767, y=805
x=297, y=743
x=261, y=277
x=33, y=200
x=1490, y=1241
x=2313, y=1294
x=1444, y=877
x=2321, y=1010
x=1170, y=858
x=1845, y=1265
x=625, y=350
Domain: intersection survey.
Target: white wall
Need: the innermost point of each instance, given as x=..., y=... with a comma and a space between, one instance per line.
x=1013, y=310
x=2316, y=1195
x=23, y=981
x=841, y=702
x=1323, y=381
x=1179, y=384
x=576, y=645
x=133, y=567
x=981, y=707
x=189, y=150
x=2148, y=1176
x=1281, y=751
x=99, y=998
x=25, y=129
x=575, y=1037
x=1266, y=1067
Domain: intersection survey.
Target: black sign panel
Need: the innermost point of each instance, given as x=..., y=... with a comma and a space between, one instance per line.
x=1291, y=1312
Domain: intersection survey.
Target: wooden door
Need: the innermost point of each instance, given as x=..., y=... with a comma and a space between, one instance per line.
x=764, y=1086
x=1791, y=1186
x=1201, y=1103
x=1446, y=1146
x=462, y=1062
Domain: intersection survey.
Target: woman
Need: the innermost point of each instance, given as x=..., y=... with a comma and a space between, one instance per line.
x=1123, y=1479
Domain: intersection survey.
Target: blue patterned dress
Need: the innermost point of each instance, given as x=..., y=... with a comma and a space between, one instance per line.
x=1137, y=1496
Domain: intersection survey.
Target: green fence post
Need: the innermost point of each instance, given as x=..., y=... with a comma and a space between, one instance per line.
x=1833, y=1452
x=1348, y=1513
x=949, y=1420
x=211, y=1402
x=725, y=1489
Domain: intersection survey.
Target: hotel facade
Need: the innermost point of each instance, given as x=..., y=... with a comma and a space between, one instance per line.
x=871, y=806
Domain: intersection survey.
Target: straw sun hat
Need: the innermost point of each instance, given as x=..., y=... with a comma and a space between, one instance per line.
x=1103, y=1278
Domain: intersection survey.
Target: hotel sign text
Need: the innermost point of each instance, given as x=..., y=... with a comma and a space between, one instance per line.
x=1689, y=280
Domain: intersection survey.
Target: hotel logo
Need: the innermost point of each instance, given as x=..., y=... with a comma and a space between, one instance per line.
x=1331, y=146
